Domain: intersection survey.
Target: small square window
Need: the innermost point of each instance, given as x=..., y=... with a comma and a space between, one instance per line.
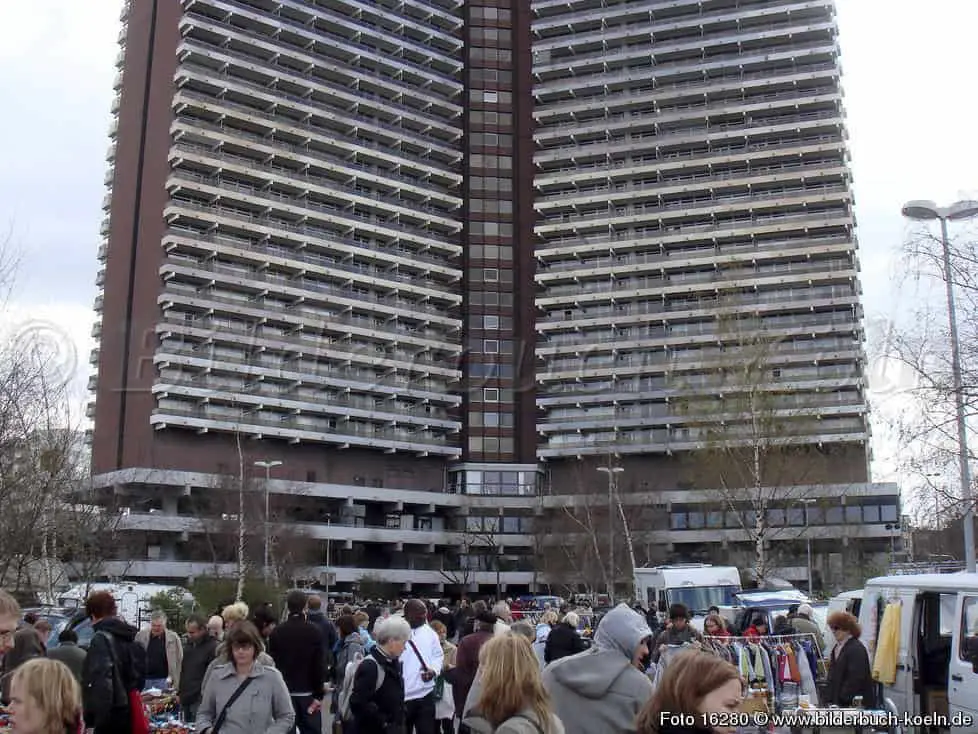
x=490, y=275
x=490, y=322
x=491, y=420
x=490, y=395
x=490, y=346
x=491, y=97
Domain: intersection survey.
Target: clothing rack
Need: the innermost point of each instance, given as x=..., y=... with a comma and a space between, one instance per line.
x=799, y=636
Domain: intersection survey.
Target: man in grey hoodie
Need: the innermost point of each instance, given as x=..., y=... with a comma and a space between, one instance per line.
x=603, y=688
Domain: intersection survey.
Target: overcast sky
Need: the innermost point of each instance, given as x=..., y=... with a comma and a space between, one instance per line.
x=909, y=117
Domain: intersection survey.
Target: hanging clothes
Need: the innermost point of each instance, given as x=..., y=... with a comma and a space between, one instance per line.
x=808, y=685
x=887, y=645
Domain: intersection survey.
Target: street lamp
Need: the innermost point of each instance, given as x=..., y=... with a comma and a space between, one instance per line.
x=808, y=542
x=924, y=211
x=329, y=519
x=892, y=527
x=267, y=466
x=611, y=471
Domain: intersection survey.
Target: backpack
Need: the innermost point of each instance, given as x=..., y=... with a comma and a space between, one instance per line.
x=343, y=704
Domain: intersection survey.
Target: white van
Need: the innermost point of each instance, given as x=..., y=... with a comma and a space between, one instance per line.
x=698, y=586
x=847, y=601
x=937, y=662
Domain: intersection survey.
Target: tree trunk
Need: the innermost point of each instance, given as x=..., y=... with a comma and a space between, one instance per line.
x=242, y=567
x=759, y=504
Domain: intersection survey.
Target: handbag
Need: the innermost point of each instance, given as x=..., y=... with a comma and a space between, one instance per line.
x=138, y=720
x=222, y=717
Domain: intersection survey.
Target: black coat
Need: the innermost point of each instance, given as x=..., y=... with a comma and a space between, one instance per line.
x=296, y=646
x=562, y=641
x=197, y=655
x=850, y=675
x=330, y=639
x=378, y=711
x=115, y=664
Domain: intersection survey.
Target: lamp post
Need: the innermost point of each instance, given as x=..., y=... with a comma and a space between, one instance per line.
x=267, y=466
x=892, y=527
x=926, y=211
x=808, y=543
x=611, y=471
x=329, y=519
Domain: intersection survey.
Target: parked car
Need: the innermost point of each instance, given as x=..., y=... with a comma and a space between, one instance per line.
x=80, y=624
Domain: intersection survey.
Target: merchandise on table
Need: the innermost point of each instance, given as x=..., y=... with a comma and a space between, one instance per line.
x=161, y=705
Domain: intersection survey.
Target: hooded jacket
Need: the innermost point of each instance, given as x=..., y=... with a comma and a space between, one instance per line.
x=600, y=690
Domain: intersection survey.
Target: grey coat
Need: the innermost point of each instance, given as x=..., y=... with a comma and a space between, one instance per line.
x=264, y=708
x=71, y=655
x=224, y=656
x=523, y=723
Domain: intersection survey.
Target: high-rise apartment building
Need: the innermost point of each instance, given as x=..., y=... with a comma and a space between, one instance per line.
x=442, y=259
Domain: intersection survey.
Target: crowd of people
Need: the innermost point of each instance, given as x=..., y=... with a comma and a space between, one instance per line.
x=407, y=669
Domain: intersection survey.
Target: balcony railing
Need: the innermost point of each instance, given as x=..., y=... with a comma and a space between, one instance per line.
x=264, y=251
x=332, y=185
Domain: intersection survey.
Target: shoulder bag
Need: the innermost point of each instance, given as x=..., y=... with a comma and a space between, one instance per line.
x=222, y=717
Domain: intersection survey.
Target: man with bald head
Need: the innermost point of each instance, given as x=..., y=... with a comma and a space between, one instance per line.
x=421, y=661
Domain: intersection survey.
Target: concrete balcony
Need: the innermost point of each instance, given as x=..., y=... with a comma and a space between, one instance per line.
x=654, y=236
x=334, y=531
x=618, y=79
x=624, y=169
x=342, y=574
x=583, y=296
x=379, y=411
x=445, y=106
x=358, y=191
x=750, y=82
x=191, y=106
x=299, y=429
x=346, y=50
x=327, y=215
x=432, y=300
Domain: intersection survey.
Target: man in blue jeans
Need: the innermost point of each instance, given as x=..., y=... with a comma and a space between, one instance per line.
x=297, y=648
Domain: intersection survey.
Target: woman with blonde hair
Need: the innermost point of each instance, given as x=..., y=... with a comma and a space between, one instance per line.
x=45, y=698
x=547, y=621
x=513, y=700
x=233, y=616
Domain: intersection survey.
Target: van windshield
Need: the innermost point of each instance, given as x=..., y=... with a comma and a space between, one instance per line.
x=700, y=598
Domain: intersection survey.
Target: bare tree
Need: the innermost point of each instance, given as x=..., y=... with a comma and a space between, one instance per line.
x=242, y=565
x=759, y=451
x=916, y=352
x=88, y=535
x=572, y=539
x=41, y=461
x=479, y=549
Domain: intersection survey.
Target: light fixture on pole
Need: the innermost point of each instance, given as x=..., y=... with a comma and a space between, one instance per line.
x=808, y=543
x=329, y=519
x=924, y=211
x=611, y=471
x=892, y=527
x=267, y=466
